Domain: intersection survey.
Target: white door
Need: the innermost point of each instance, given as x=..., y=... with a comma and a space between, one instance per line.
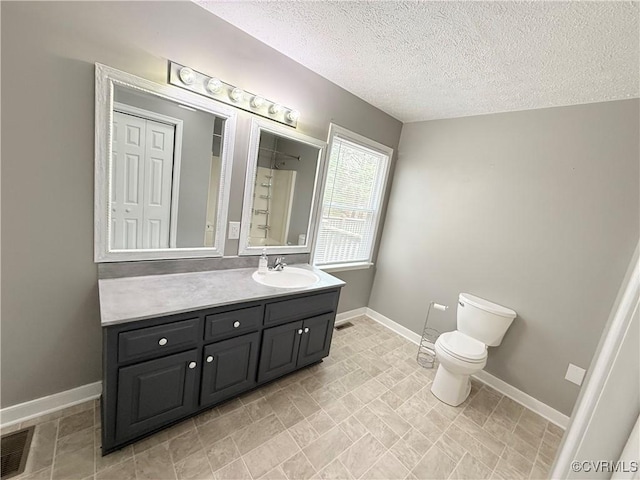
x=141, y=190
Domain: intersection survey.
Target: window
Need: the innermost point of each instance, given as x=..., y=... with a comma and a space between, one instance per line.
x=354, y=187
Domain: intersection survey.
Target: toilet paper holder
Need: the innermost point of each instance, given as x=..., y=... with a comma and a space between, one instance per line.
x=426, y=351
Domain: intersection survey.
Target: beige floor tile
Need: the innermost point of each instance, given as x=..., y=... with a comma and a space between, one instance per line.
x=303, y=433
x=259, y=409
x=377, y=427
x=224, y=425
x=389, y=416
x=75, y=441
x=488, y=440
x=334, y=471
x=453, y=448
x=275, y=474
x=507, y=413
x=284, y=408
x=257, y=433
x=44, y=474
x=252, y=396
x=184, y=445
x=321, y=422
x=75, y=465
x=387, y=467
x=236, y=470
x=42, y=447
x=472, y=445
x=327, y=447
x=206, y=416
x=270, y=454
x=229, y=406
x=123, y=471
x=434, y=465
x=362, y=454
x=516, y=462
x=338, y=410
x=298, y=467
x=353, y=428
x=155, y=464
x=405, y=454
x=222, y=453
x=533, y=422
x=469, y=468
x=194, y=467
x=112, y=459
x=76, y=422
x=150, y=442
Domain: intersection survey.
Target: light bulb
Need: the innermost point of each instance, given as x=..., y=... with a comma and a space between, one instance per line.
x=187, y=75
x=293, y=115
x=275, y=108
x=236, y=94
x=257, y=101
x=214, y=85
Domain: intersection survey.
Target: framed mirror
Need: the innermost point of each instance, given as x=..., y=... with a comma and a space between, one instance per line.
x=281, y=191
x=163, y=165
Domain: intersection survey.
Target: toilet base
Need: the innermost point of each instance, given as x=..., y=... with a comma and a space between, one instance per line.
x=450, y=388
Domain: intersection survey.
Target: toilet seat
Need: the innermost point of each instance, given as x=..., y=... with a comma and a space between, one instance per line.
x=463, y=347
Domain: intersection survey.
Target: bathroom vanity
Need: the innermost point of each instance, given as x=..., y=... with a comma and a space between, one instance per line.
x=176, y=345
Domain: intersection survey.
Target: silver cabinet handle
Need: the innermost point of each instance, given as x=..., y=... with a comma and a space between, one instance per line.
x=192, y=364
x=236, y=324
x=210, y=359
x=300, y=332
x=306, y=330
x=162, y=342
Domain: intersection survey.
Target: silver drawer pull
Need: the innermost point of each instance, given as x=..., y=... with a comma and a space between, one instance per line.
x=210, y=359
x=300, y=332
x=192, y=364
x=162, y=342
x=236, y=324
x=306, y=330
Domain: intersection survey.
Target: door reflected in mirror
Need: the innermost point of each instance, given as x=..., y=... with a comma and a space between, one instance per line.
x=165, y=173
x=281, y=188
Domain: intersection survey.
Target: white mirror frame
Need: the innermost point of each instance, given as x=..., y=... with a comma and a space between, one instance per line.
x=258, y=126
x=106, y=79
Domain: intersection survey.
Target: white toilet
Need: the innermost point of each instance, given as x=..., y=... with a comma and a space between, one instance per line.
x=462, y=353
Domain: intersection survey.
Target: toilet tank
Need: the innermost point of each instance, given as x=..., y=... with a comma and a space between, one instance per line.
x=483, y=320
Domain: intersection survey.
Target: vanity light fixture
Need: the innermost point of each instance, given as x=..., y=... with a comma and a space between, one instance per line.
x=275, y=108
x=214, y=85
x=214, y=88
x=187, y=75
x=236, y=94
x=257, y=101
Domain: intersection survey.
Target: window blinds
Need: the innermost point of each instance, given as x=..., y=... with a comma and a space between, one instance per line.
x=351, y=203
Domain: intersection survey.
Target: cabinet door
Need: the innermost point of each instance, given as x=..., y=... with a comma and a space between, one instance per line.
x=153, y=393
x=229, y=368
x=316, y=339
x=279, y=350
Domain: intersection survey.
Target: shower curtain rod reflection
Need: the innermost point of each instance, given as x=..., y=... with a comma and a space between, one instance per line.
x=281, y=153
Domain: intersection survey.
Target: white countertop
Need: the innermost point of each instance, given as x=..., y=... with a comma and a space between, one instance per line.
x=137, y=298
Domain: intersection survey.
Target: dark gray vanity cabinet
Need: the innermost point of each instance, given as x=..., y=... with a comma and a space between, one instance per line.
x=153, y=393
x=159, y=371
x=229, y=367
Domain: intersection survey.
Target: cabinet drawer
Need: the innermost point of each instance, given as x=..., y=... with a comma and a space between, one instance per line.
x=300, y=308
x=230, y=324
x=153, y=341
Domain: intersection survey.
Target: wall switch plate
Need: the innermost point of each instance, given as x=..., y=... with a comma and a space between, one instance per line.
x=234, y=230
x=575, y=374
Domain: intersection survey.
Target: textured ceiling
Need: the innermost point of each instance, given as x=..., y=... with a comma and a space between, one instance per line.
x=426, y=60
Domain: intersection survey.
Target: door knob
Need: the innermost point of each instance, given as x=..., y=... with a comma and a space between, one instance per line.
x=300, y=332
x=163, y=341
x=306, y=330
x=210, y=359
x=192, y=364
x=236, y=324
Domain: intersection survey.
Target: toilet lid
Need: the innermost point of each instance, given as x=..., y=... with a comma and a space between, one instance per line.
x=463, y=346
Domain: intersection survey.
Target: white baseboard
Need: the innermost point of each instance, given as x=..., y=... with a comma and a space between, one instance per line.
x=542, y=409
x=350, y=315
x=52, y=403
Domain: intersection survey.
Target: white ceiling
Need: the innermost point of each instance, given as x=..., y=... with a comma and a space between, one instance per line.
x=427, y=60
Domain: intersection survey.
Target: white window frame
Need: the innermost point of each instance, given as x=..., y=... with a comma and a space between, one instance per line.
x=338, y=131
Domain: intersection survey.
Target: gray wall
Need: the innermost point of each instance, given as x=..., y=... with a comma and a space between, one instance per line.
x=195, y=165
x=535, y=210
x=50, y=316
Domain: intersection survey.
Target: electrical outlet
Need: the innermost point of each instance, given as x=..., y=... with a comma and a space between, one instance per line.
x=575, y=374
x=234, y=230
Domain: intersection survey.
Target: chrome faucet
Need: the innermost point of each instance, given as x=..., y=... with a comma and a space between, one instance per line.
x=278, y=264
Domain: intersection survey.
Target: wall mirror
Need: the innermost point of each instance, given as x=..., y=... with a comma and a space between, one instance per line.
x=163, y=165
x=281, y=190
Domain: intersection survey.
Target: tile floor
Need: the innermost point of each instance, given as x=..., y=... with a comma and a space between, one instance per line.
x=365, y=412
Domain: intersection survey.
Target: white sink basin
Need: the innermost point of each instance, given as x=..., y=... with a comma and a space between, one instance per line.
x=290, y=277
